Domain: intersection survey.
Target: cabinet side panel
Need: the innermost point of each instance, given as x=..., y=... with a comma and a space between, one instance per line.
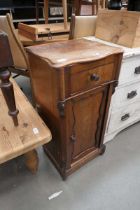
x=44, y=83
x=45, y=86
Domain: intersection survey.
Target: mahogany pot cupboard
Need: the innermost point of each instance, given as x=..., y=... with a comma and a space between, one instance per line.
x=72, y=83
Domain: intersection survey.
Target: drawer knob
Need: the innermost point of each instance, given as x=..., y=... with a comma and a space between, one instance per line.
x=132, y=94
x=94, y=77
x=125, y=117
x=137, y=70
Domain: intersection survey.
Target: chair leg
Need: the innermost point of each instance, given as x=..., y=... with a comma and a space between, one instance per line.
x=93, y=8
x=46, y=9
x=97, y=6
x=37, y=11
x=64, y=3
x=77, y=7
x=103, y=4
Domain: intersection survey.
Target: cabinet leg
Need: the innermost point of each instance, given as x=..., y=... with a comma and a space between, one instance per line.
x=102, y=149
x=32, y=161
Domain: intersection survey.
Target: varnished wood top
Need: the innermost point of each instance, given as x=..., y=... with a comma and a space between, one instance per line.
x=72, y=51
x=29, y=134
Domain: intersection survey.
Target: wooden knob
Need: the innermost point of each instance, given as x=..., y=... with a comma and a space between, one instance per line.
x=94, y=77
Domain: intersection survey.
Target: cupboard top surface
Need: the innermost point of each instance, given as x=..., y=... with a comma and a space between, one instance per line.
x=69, y=52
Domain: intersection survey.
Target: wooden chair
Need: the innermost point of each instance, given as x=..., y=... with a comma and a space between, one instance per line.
x=88, y=26
x=96, y=4
x=45, y=3
x=20, y=60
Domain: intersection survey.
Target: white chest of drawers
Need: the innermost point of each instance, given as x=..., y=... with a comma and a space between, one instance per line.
x=125, y=103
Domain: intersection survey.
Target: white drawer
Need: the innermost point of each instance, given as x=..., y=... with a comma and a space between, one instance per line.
x=126, y=95
x=130, y=70
x=123, y=117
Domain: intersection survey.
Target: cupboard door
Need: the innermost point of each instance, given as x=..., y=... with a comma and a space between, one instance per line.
x=84, y=122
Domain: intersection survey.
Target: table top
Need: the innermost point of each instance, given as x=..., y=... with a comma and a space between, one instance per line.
x=28, y=135
x=60, y=54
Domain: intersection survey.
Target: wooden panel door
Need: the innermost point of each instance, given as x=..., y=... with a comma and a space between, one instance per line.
x=84, y=122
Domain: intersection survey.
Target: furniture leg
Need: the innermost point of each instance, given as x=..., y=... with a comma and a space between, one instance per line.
x=46, y=8
x=103, y=4
x=37, y=12
x=97, y=6
x=64, y=2
x=32, y=161
x=94, y=7
x=76, y=7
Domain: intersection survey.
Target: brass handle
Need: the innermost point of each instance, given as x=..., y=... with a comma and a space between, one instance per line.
x=132, y=94
x=125, y=117
x=94, y=77
x=49, y=33
x=137, y=70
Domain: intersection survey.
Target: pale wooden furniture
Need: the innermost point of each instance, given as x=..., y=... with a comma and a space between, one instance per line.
x=18, y=53
x=41, y=31
x=119, y=27
x=124, y=108
x=28, y=135
x=46, y=11
x=72, y=82
x=64, y=4
x=29, y=42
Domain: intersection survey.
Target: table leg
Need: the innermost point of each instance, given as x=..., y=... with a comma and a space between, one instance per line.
x=8, y=93
x=32, y=161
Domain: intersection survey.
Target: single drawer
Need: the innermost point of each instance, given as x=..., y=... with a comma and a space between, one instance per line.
x=88, y=79
x=123, y=117
x=130, y=70
x=126, y=95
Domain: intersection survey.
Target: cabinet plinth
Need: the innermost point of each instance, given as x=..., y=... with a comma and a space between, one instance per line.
x=72, y=84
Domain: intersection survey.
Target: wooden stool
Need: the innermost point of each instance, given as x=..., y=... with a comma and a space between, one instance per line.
x=46, y=9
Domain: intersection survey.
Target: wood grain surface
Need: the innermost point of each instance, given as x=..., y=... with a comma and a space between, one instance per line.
x=72, y=51
x=119, y=26
x=33, y=31
x=31, y=132
x=74, y=98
